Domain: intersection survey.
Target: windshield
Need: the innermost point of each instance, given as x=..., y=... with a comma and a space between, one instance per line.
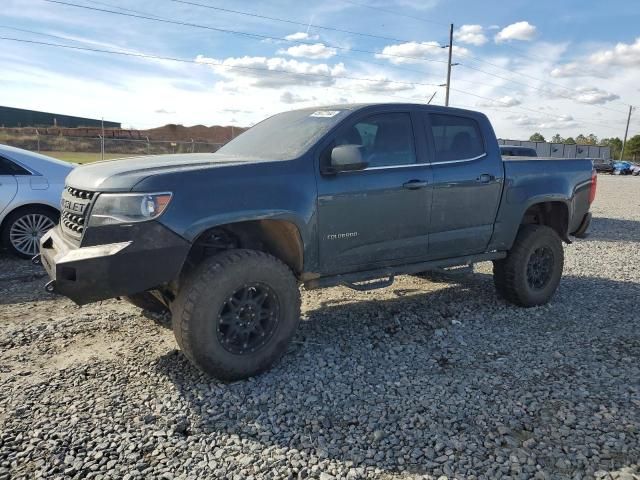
x=286, y=135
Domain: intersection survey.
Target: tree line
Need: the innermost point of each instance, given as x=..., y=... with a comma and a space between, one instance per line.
x=631, y=150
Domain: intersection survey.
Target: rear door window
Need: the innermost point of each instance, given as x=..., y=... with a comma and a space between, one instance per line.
x=455, y=137
x=7, y=167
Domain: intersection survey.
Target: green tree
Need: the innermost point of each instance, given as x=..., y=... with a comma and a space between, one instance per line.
x=615, y=144
x=582, y=140
x=569, y=141
x=557, y=138
x=632, y=149
x=592, y=139
x=536, y=137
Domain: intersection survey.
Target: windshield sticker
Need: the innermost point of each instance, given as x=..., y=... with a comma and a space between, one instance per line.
x=325, y=113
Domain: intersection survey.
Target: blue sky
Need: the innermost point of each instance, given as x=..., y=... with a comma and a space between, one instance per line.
x=563, y=67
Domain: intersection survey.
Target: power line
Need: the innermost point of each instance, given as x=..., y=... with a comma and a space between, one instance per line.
x=477, y=59
x=235, y=32
x=214, y=63
x=292, y=22
x=152, y=17
x=286, y=73
x=535, y=88
x=525, y=109
x=394, y=12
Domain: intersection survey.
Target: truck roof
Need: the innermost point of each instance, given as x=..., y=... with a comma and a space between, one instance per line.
x=359, y=106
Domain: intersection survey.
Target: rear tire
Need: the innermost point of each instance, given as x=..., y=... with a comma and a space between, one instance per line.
x=532, y=270
x=236, y=313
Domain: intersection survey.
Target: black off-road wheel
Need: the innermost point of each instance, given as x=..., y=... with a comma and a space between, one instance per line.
x=236, y=313
x=530, y=274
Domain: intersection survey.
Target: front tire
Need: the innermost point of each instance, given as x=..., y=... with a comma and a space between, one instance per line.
x=530, y=274
x=236, y=313
x=24, y=227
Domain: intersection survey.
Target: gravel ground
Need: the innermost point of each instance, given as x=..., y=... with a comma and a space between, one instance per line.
x=420, y=380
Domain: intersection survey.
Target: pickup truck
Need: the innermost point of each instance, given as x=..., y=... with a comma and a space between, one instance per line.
x=336, y=195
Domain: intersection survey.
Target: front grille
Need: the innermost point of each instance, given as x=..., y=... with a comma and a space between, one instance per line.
x=75, y=210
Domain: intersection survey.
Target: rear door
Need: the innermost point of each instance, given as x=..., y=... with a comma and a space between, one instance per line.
x=467, y=184
x=8, y=183
x=380, y=215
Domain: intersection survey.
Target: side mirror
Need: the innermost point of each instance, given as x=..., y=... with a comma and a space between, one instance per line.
x=346, y=158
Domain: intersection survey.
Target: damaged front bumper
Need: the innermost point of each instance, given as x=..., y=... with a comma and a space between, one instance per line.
x=151, y=255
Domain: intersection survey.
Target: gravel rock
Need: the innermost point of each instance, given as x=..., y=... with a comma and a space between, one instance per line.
x=422, y=380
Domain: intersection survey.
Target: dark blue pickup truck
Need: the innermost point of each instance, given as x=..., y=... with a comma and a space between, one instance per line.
x=340, y=195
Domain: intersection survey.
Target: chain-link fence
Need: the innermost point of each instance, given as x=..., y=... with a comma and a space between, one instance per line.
x=86, y=149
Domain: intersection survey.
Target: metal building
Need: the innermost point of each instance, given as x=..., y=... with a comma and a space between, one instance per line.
x=18, y=117
x=562, y=150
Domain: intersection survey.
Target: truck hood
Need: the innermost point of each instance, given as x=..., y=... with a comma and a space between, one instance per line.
x=123, y=174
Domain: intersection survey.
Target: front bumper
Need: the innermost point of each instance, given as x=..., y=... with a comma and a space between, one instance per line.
x=142, y=257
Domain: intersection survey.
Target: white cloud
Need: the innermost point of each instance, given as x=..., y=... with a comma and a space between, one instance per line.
x=164, y=111
x=559, y=122
x=380, y=84
x=256, y=71
x=470, y=34
x=493, y=27
x=516, y=31
x=301, y=36
x=288, y=98
x=505, y=101
x=582, y=94
x=594, y=96
x=400, y=53
x=623, y=54
x=599, y=63
x=315, y=51
x=562, y=121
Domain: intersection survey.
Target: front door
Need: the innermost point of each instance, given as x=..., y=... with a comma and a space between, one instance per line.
x=380, y=215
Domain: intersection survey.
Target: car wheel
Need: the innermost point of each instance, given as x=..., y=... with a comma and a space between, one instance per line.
x=24, y=228
x=236, y=313
x=531, y=272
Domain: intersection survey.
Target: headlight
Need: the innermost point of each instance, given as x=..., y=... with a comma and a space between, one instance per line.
x=115, y=208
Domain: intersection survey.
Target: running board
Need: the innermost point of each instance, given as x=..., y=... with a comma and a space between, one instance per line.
x=388, y=273
x=366, y=286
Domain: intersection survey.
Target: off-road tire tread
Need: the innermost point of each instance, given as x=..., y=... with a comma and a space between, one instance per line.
x=505, y=271
x=205, y=276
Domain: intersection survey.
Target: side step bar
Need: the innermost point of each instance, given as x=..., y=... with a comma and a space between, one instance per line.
x=366, y=286
x=388, y=273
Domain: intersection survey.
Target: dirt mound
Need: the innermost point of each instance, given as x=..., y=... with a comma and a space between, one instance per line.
x=215, y=133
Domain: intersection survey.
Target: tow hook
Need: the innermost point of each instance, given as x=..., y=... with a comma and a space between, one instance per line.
x=50, y=287
x=37, y=260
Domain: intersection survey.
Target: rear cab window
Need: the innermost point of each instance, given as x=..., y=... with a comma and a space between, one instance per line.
x=455, y=137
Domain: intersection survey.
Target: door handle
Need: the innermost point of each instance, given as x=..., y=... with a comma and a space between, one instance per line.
x=414, y=184
x=485, y=178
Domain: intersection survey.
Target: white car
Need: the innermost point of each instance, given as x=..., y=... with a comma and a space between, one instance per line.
x=30, y=190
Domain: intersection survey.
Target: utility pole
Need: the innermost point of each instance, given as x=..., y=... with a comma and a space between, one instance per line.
x=626, y=132
x=446, y=98
x=102, y=140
